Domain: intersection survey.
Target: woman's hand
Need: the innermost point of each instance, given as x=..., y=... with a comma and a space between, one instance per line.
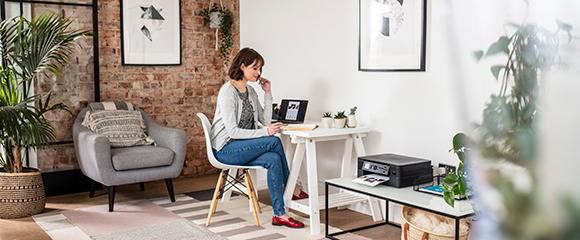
x=265, y=84
x=274, y=128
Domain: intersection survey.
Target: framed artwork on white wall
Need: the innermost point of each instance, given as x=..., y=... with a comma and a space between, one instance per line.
x=392, y=35
x=151, y=32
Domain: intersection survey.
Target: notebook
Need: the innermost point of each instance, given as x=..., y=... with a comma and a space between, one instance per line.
x=292, y=111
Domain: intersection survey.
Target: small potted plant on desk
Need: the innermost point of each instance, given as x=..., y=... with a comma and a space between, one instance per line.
x=339, y=119
x=456, y=184
x=327, y=120
x=351, y=122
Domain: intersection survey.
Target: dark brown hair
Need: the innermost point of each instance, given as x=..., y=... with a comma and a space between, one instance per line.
x=247, y=56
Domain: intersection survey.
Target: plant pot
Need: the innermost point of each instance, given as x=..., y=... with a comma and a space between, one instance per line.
x=21, y=194
x=327, y=122
x=214, y=19
x=351, y=122
x=339, y=122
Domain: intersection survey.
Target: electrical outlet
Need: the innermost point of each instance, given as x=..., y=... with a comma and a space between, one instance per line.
x=448, y=168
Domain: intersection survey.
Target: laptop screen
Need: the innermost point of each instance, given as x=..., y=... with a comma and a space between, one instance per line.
x=292, y=110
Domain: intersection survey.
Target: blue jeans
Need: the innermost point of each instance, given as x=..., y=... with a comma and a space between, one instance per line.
x=266, y=152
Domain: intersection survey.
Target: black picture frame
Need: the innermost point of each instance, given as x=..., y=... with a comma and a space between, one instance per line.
x=151, y=32
x=392, y=35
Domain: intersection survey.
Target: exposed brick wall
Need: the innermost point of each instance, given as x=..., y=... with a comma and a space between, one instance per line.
x=170, y=95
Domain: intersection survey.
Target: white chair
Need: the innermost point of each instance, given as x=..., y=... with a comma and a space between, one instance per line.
x=232, y=180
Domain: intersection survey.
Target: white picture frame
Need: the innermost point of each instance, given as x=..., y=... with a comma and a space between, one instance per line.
x=151, y=32
x=392, y=35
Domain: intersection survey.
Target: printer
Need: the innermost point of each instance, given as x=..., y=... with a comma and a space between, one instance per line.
x=403, y=171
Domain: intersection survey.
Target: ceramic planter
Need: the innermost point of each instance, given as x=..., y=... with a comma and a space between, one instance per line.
x=339, y=122
x=327, y=122
x=351, y=122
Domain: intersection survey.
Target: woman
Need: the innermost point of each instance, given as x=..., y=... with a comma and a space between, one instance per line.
x=239, y=134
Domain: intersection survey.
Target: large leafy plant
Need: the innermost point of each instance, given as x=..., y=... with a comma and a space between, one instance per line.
x=508, y=131
x=30, y=50
x=508, y=126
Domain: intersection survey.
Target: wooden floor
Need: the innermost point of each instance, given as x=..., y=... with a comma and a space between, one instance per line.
x=27, y=229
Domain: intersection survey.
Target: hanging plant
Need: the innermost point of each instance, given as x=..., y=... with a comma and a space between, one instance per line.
x=220, y=18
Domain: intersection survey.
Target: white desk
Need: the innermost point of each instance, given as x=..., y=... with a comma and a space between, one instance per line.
x=306, y=145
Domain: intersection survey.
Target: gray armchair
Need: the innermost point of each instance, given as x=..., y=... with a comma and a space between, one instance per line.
x=117, y=166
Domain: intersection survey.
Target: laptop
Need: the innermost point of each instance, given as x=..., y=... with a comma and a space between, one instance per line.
x=292, y=111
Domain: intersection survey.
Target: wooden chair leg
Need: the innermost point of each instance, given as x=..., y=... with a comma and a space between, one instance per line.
x=251, y=196
x=252, y=190
x=216, y=193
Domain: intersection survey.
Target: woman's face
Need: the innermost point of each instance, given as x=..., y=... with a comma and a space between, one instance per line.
x=252, y=72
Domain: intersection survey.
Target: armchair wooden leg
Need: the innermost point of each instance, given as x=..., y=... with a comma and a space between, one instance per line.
x=216, y=193
x=142, y=186
x=92, y=190
x=169, y=183
x=111, y=197
x=251, y=196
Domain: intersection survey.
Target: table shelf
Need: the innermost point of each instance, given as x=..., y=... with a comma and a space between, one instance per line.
x=335, y=200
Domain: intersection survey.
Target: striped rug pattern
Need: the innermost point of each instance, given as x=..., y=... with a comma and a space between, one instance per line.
x=159, y=218
x=234, y=219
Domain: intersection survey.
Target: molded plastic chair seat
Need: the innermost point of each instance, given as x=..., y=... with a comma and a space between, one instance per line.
x=227, y=181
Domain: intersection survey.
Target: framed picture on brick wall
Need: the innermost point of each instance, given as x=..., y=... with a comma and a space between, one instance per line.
x=392, y=35
x=151, y=32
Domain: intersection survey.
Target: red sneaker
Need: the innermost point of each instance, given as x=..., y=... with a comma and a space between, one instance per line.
x=278, y=221
x=302, y=195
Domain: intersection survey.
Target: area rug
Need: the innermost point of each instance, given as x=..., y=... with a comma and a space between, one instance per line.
x=159, y=218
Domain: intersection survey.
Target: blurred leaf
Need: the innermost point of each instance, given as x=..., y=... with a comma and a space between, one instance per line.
x=478, y=54
x=528, y=58
x=500, y=46
x=527, y=111
x=566, y=27
x=495, y=70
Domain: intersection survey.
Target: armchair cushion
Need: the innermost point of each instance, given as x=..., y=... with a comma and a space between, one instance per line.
x=141, y=157
x=123, y=128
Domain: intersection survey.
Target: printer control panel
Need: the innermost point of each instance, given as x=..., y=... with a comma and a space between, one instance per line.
x=376, y=168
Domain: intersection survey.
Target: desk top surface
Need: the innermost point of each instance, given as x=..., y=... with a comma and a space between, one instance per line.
x=325, y=132
x=409, y=197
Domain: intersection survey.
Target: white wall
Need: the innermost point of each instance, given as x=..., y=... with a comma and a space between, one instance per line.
x=311, y=52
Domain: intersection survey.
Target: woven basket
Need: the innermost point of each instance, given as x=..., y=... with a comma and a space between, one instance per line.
x=21, y=194
x=412, y=232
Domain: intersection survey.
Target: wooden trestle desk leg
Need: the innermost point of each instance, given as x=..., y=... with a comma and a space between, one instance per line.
x=312, y=172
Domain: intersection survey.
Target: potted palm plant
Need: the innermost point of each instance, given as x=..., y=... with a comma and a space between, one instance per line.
x=29, y=50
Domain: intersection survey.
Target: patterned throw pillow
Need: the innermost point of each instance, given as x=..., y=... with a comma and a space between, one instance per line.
x=111, y=106
x=123, y=128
